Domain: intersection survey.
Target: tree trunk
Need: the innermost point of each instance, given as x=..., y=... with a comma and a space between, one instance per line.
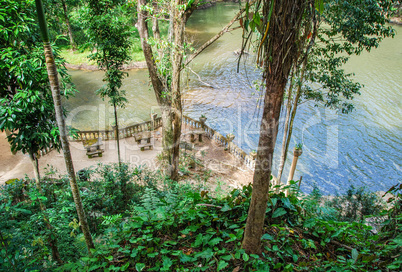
x=288, y=135
x=167, y=94
x=280, y=52
x=117, y=134
x=70, y=32
x=177, y=60
x=35, y=164
x=163, y=95
x=55, y=87
x=285, y=131
x=167, y=138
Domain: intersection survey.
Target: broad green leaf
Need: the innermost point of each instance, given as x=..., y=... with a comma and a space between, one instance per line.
x=222, y=265
x=167, y=263
x=278, y=212
x=267, y=236
x=124, y=267
x=215, y=241
x=139, y=266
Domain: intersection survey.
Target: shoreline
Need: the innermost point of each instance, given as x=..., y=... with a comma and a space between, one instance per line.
x=88, y=67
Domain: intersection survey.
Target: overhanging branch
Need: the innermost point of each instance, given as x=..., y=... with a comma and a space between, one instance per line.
x=217, y=36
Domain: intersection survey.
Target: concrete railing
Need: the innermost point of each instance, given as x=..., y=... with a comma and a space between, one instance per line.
x=223, y=141
x=130, y=130
x=111, y=134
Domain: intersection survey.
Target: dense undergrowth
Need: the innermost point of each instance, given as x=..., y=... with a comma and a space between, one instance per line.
x=142, y=222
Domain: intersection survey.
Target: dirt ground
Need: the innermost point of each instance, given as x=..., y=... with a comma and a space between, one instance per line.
x=225, y=170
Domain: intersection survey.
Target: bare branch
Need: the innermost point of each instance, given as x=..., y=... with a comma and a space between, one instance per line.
x=217, y=36
x=199, y=78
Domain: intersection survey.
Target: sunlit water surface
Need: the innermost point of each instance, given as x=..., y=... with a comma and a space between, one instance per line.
x=362, y=148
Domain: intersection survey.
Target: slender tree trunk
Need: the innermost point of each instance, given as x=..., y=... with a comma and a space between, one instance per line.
x=55, y=87
x=163, y=95
x=280, y=52
x=167, y=137
x=287, y=137
x=117, y=134
x=285, y=130
x=285, y=134
x=177, y=60
x=169, y=95
x=35, y=164
x=70, y=32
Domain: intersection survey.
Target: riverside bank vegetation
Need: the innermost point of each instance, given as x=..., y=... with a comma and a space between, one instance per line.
x=141, y=221
x=118, y=218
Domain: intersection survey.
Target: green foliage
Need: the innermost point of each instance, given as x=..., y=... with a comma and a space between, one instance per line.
x=355, y=204
x=109, y=34
x=392, y=234
x=26, y=105
x=345, y=28
x=163, y=225
x=29, y=115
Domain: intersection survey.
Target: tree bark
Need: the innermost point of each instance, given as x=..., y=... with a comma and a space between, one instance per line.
x=177, y=60
x=117, y=134
x=54, y=84
x=70, y=32
x=169, y=95
x=288, y=135
x=55, y=87
x=285, y=131
x=35, y=164
x=280, y=52
x=161, y=92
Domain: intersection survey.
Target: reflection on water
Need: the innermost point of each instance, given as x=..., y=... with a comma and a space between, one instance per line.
x=361, y=148
x=87, y=111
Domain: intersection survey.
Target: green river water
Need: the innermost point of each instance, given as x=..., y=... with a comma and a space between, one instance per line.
x=362, y=148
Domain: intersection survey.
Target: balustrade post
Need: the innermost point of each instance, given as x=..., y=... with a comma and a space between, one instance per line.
x=296, y=153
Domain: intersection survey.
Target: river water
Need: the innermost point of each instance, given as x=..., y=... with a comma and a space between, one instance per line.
x=362, y=148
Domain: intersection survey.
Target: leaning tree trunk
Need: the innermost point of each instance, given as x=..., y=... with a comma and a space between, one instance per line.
x=280, y=52
x=169, y=98
x=289, y=126
x=285, y=129
x=55, y=87
x=70, y=32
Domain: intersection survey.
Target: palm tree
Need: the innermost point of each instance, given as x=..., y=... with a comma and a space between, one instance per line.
x=55, y=87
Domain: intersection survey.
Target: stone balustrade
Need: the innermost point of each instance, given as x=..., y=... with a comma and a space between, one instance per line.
x=222, y=140
x=123, y=132
x=130, y=130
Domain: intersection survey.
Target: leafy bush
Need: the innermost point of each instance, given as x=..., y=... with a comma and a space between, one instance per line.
x=355, y=204
x=142, y=222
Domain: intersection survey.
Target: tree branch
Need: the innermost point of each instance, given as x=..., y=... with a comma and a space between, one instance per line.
x=217, y=36
x=199, y=78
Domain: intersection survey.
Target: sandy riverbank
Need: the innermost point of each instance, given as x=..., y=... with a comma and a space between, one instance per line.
x=223, y=166
x=88, y=67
